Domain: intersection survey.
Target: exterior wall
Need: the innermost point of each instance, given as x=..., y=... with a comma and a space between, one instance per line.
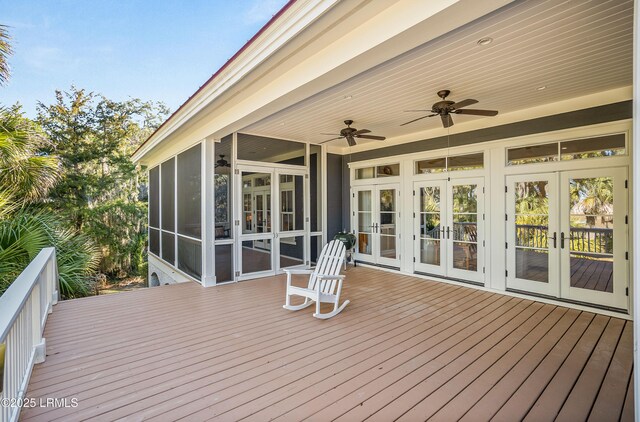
x=590, y=116
x=494, y=173
x=166, y=273
x=336, y=191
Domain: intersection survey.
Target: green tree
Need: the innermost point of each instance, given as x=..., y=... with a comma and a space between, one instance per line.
x=99, y=191
x=5, y=52
x=26, y=175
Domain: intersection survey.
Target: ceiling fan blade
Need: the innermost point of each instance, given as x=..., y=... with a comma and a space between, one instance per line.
x=329, y=140
x=415, y=111
x=464, y=103
x=477, y=112
x=351, y=141
x=361, y=131
x=331, y=134
x=377, y=138
x=447, y=121
x=419, y=118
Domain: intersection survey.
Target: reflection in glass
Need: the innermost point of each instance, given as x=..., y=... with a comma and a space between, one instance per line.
x=256, y=202
x=465, y=227
x=365, y=221
x=591, y=236
x=432, y=165
x=532, y=230
x=256, y=258
x=291, y=251
x=430, y=229
x=602, y=146
x=388, y=223
x=291, y=202
x=223, y=189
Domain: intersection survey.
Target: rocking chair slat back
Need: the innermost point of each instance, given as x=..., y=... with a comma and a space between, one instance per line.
x=329, y=263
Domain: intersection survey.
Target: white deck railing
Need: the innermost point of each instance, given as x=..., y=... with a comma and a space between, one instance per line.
x=23, y=312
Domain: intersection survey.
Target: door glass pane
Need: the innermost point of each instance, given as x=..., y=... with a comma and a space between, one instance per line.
x=365, y=221
x=256, y=256
x=532, y=230
x=291, y=251
x=291, y=202
x=430, y=229
x=464, y=234
x=223, y=189
x=256, y=202
x=388, y=220
x=591, y=234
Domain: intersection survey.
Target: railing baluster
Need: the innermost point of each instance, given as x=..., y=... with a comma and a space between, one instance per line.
x=23, y=310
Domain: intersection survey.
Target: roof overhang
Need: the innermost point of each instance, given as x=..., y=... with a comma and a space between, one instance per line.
x=308, y=48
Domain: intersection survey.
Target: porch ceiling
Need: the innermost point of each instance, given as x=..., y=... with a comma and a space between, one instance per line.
x=573, y=48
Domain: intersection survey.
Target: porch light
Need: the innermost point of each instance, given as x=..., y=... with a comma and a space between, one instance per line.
x=542, y=88
x=485, y=41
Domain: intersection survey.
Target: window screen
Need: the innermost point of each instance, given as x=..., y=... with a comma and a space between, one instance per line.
x=168, y=247
x=190, y=257
x=189, y=180
x=270, y=150
x=154, y=197
x=154, y=241
x=168, y=194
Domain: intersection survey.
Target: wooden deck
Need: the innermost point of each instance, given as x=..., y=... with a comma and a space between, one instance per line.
x=405, y=349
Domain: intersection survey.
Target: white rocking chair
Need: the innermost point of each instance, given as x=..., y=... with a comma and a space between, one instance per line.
x=323, y=281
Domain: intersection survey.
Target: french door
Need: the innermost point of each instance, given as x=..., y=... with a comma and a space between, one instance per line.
x=272, y=224
x=567, y=235
x=376, y=219
x=449, y=228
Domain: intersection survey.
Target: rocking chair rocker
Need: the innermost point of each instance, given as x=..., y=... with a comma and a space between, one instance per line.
x=324, y=280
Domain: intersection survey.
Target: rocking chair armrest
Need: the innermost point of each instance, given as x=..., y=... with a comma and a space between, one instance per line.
x=298, y=270
x=331, y=277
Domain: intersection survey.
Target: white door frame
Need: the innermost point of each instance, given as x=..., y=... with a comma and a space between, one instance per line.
x=374, y=234
x=419, y=266
x=552, y=286
x=617, y=299
x=274, y=235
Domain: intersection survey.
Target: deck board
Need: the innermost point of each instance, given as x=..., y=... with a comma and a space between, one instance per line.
x=404, y=348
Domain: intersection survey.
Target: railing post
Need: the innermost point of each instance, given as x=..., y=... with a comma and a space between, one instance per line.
x=36, y=323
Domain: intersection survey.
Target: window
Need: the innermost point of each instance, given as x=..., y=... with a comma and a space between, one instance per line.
x=291, y=197
x=154, y=241
x=533, y=154
x=365, y=173
x=577, y=149
x=433, y=165
x=602, y=146
x=388, y=171
x=223, y=189
x=286, y=210
x=452, y=163
x=465, y=162
x=384, y=170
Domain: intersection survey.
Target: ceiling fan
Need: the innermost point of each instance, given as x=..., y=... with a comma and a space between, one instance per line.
x=350, y=134
x=222, y=162
x=445, y=108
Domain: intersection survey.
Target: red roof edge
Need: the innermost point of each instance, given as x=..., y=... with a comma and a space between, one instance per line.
x=224, y=66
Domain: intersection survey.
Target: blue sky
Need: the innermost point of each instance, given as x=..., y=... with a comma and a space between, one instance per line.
x=160, y=50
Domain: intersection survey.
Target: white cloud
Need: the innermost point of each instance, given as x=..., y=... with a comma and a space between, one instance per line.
x=262, y=11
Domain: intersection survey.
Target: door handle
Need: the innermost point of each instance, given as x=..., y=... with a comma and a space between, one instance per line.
x=562, y=240
x=448, y=229
x=555, y=240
